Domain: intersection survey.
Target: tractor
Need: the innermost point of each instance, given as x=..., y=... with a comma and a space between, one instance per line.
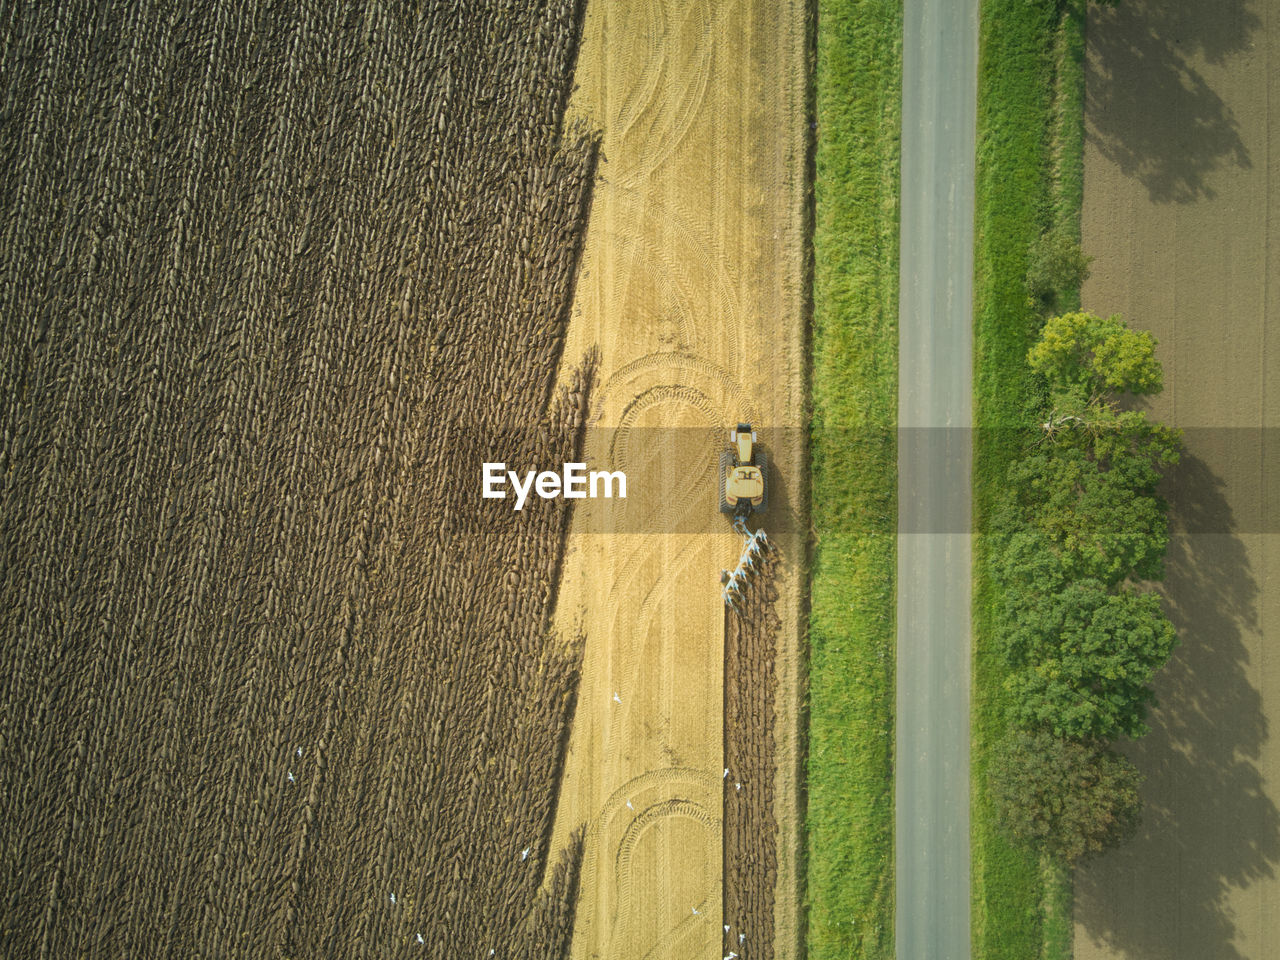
x=744, y=474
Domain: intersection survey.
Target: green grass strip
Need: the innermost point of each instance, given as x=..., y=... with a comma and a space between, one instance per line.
x=854, y=480
x=1068, y=117
x=1068, y=197
x=1014, y=203
x=1068, y=130
x=1059, y=900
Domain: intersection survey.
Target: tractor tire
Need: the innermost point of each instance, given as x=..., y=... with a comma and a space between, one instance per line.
x=762, y=461
x=726, y=463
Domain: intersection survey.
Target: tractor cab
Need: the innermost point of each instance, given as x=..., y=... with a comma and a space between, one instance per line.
x=743, y=474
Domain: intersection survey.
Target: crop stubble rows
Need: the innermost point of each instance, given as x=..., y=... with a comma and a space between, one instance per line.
x=275, y=680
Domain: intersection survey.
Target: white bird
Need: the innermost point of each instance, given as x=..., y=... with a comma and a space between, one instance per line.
x=696, y=913
x=299, y=751
x=291, y=776
x=420, y=940
x=726, y=774
x=741, y=937
x=524, y=854
x=726, y=928
x=616, y=698
x=738, y=785
x=629, y=806
x=393, y=898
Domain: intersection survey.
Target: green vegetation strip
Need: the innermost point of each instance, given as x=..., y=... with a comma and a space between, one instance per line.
x=854, y=480
x=1030, y=105
x=1058, y=897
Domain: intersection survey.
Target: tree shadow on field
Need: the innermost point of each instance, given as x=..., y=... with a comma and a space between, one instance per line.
x=1148, y=108
x=1208, y=826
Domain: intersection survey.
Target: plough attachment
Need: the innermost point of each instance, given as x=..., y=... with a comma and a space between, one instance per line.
x=755, y=550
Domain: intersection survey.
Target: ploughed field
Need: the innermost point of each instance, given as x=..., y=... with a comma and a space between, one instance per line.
x=750, y=834
x=274, y=679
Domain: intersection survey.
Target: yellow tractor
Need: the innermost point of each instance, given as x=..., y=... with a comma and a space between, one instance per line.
x=744, y=472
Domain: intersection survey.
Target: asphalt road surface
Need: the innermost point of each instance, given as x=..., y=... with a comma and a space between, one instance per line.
x=940, y=60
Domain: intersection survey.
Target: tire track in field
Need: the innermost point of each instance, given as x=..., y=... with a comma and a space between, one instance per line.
x=690, y=287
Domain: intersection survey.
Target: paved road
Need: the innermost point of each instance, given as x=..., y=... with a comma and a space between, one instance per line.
x=940, y=57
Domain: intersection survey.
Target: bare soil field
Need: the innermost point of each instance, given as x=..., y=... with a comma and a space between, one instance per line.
x=692, y=286
x=275, y=681
x=1183, y=219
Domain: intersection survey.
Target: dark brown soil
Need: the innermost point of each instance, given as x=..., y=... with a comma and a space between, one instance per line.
x=750, y=830
x=276, y=279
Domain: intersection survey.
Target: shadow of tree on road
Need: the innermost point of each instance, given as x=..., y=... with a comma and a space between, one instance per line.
x=1149, y=109
x=1208, y=825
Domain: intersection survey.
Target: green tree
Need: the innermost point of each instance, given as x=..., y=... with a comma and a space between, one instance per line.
x=1094, y=500
x=1028, y=563
x=1084, y=357
x=1083, y=520
x=1081, y=660
x=1089, y=485
x=1055, y=264
x=1068, y=798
